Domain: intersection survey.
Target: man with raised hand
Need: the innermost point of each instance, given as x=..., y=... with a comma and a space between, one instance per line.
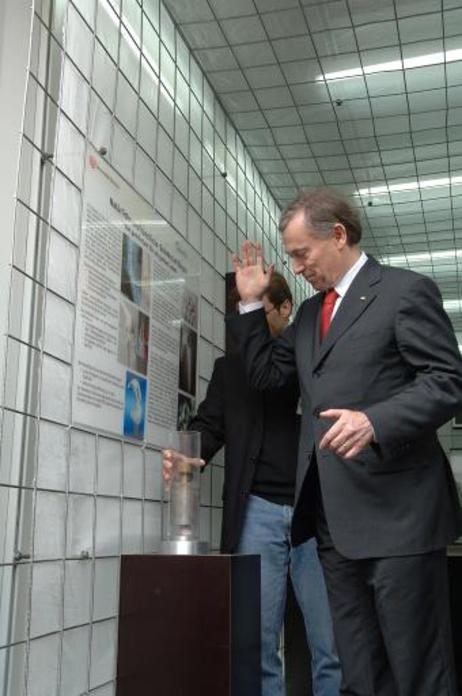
x=379, y=371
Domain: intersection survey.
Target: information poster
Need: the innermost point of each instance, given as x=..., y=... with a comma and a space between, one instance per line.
x=135, y=361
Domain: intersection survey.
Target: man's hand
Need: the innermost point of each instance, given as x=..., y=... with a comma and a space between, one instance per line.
x=351, y=432
x=171, y=459
x=252, y=280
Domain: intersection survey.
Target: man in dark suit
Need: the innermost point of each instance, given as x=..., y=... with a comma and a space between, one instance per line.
x=380, y=372
x=260, y=433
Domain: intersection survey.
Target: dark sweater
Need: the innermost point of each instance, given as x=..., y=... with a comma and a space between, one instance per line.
x=274, y=477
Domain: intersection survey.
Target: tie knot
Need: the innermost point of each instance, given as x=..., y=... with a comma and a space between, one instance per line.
x=330, y=297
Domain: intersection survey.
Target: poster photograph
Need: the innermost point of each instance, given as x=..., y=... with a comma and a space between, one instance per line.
x=188, y=359
x=135, y=405
x=133, y=340
x=185, y=411
x=136, y=269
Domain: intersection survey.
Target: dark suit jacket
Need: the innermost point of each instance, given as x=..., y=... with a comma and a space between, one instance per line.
x=390, y=352
x=232, y=415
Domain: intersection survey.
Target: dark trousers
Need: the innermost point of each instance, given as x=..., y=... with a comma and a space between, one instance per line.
x=391, y=620
x=391, y=624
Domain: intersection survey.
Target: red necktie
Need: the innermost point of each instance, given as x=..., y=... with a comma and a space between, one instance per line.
x=328, y=304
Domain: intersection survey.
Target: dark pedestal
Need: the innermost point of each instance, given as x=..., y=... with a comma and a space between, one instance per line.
x=189, y=626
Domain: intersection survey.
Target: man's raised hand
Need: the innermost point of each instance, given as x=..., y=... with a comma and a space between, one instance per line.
x=252, y=280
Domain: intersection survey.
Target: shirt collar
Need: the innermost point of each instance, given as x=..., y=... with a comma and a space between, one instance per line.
x=345, y=282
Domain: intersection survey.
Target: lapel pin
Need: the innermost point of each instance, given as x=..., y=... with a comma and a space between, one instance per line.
x=363, y=298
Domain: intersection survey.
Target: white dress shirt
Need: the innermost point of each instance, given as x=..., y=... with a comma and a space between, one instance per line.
x=345, y=282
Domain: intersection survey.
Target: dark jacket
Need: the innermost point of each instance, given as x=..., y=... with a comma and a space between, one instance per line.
x=232, y=415
x=392, y=353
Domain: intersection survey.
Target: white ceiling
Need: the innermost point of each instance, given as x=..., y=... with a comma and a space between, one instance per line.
x=387, y=130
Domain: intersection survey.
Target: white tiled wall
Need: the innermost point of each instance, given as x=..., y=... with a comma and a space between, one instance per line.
x=117, y=74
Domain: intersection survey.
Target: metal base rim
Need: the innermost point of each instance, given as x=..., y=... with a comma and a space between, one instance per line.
x=184, y=547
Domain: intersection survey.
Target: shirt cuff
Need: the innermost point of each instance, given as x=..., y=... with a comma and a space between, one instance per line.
x=250, y=307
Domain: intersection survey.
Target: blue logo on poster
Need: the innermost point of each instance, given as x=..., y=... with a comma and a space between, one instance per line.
x=135, y=405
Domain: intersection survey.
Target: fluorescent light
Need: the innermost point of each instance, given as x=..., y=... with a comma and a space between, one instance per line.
x=405, y=64
x=453, y=306
x=409, y=186
x=129, y=221
x=128, y=32
x=422, y=257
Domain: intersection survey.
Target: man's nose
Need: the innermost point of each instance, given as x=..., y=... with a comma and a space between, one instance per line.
x=297, y=266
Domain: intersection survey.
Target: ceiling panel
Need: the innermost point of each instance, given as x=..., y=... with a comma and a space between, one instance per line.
x=359, y=95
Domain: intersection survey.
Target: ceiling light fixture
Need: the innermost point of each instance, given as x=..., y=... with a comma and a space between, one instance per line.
x=405, y=64
x=409, y=186
x=416, y=258
x=453, y=306
x=128, y=32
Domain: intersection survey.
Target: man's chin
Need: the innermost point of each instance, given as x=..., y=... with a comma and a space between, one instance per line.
x=314, y=284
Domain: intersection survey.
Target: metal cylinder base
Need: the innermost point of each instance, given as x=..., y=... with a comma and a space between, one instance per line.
x=184, y=547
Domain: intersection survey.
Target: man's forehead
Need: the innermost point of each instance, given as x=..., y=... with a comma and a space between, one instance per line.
x=299, y=226
x=298, y=239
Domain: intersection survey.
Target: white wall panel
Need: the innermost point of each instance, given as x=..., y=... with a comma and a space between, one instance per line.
x=119, y=76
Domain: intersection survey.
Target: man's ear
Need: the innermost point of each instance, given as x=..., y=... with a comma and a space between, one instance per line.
x=340, y=234
x=285, y=310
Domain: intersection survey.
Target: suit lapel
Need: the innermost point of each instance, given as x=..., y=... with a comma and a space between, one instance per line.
x=357, y=299
x=309, y=328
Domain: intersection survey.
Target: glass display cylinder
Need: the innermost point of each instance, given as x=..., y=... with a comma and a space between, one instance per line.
x=182, y=522
x=184, y=502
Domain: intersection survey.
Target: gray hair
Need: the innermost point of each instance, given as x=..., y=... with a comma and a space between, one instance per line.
x=322, y=208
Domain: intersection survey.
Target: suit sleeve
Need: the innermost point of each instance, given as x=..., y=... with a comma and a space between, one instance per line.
x=209, y=420
x=270, y=363
x=426, y=342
